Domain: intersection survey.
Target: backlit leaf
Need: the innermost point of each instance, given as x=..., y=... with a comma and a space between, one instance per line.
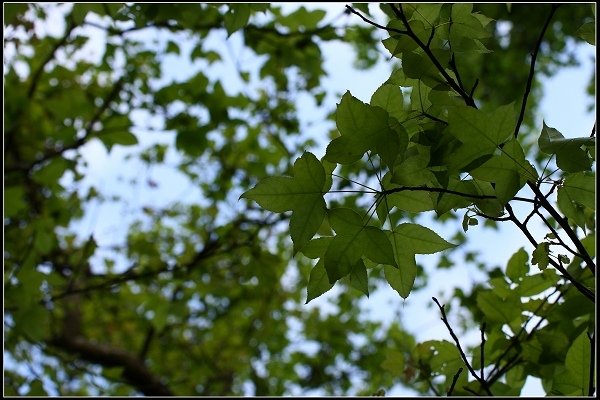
x=420, y=239
x=517, y=265
x=480, y=132
x=570, y=157
x=362, y=127
x=302, y=194
x=318, y=283
x=353, y=240
x=577, y=363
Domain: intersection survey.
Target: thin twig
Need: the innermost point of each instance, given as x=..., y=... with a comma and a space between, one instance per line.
x=582, y=289
x=482, y=350
x=38, y=72
x=400, y=14
x=564, y=224
x=460, y=350
x=448, y=191
x=454, y=380
x=375, y=24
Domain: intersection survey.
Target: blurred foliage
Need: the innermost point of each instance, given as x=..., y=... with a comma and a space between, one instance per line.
x=201, y=294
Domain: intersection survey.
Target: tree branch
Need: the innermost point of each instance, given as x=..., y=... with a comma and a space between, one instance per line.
x=532, y=70
x=134, y=370
x=400, y=14
x=375, y=24
x=448, y=191
x=482, y=350
x=454, y=380
x=462, y=353
x=582, y=289
x=564, y=224
x=35, y=78
x=82, y=140
x=498, y=371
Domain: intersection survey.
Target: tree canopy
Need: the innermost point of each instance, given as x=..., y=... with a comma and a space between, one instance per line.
x=199, y=269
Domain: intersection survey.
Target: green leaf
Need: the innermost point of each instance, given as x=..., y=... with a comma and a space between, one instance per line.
x=540, y=256
x=419, y=239
x=113, y=373
x=402, y=279
x=570, y=157
x=419, y=66
x=480, y=132
x=302, y=194
x=577, y=363
x=498, y=309
x=491, y=207
x=465, y=25
x=449, y=201
x=587, y=32
x=399, y=44
x=509, y=171
x=192, y=141
x=172, y=47
x=394, y=362
x=302, y=19
x=316, y=248
x=80, y=11
x=391, y=99
x=52, y=171
x=516, y=377
x=517, y=266
x=414, y=169
x=37, y=389
x=534, y=284
x=580, y=188
x=426, y=12
x=124, y=138
x=412, y=201
x=237, y=17
x=407, y=200
x=32, y=321
x=358, y=277
x=14, y=201
x=353, y=240
x=11, y=11
x=446, y=357
x=564, y=383
x=362, y=127
x=318, y=283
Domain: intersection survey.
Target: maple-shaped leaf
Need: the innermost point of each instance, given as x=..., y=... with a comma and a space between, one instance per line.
x=509, y=171
x=480, y=132
x=407, y=240
x=352, y=241
x=302, y=194
x=362, y=127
